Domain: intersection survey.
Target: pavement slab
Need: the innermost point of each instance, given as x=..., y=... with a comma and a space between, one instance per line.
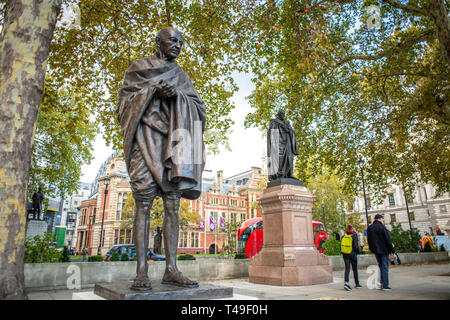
x=408, y=282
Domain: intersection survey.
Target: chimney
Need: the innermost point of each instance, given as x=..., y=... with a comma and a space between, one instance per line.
x=220, y=178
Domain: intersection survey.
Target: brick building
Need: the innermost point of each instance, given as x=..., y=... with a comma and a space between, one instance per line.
x=222, y=200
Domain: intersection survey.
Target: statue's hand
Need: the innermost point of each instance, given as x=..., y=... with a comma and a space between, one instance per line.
x=165, y=90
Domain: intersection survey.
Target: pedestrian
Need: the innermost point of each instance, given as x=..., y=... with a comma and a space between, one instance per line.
x=350, y=250
x=381, y=246
x=396, y=257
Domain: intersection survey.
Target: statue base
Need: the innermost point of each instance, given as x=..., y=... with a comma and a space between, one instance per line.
x=35, y=228
x=288, y=256
x=280, y=181
x=123, y=291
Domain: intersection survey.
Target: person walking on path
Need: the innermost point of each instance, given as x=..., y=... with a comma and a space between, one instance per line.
x=350, y=249
x=381, y=246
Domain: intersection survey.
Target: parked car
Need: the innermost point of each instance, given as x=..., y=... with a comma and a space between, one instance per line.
x=151, y=256
x=130, y=250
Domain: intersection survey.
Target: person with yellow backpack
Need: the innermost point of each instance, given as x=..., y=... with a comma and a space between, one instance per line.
x=349, y=250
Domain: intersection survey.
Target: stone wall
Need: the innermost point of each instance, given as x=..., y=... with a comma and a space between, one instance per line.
x=45, y=276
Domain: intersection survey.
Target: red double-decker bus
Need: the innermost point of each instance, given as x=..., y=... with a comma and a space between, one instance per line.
x=250, y=236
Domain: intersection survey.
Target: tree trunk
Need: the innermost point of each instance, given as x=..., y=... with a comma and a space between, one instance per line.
x=24, y=47
x=439, y=13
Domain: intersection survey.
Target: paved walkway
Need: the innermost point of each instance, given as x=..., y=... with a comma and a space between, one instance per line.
x=408, y=282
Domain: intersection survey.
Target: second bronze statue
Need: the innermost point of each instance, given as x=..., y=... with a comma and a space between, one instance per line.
x=158, y=103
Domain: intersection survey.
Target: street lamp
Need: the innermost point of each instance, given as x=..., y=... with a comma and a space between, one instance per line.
x=361, y=164
x=106, y=181
x=399, y=166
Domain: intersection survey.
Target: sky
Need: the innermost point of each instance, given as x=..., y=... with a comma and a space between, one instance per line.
x=247, y=145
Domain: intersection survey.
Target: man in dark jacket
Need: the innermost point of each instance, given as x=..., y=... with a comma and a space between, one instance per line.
x=351, y=259
x=381, y=246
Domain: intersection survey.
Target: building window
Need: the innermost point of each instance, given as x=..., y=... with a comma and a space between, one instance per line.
x=121, y=199
x=116, y=236
x=411, y=216
x=183, y=243
x=194, y=239
x=243, y=216
x=391, y=200
x=393, y=218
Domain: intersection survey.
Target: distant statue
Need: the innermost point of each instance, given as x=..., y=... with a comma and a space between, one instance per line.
x=38, y=198
x=281, y=148
x=162, y=119
x=84, y=253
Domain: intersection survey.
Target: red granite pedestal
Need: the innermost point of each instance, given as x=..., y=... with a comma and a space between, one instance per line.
x=288, y=257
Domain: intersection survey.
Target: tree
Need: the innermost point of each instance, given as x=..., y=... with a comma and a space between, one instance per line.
x=92, y=59
x=354, y=219
x=328, y=190
x=62, y=143
x=25, y=38
x=354, y=87
x=231, y=231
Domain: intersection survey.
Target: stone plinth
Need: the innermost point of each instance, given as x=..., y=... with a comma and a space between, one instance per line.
x=35, y=228
x=122, y=291
x=288, y=257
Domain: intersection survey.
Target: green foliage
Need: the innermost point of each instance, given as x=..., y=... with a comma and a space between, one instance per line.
x=351, y=90
x=240, y=256
x=185, y=257
x=124, y=257
x=97, y=258
x=229, y=248
x=65, y=255
x=404, y=240
x=92, y=60
x=328, y=189
x=41, y=249
x=332, y=247
x=114, y=257
x=442, y=248
x=62, y=142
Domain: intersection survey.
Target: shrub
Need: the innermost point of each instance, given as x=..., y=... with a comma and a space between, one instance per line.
x=332, y=247
x=442, y=248
x=41, y=249
x=240, y=256
x=186, y=257
x=404, y=240
x=65, y=255
x=124, y=257
x=96, y=258
x=115, y=257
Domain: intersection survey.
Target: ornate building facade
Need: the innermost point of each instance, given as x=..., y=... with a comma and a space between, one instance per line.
x=222, y=200
x=426, y=211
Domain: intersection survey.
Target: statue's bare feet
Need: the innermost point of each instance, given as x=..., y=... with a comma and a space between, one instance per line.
x=141, y=283
x=176, y=278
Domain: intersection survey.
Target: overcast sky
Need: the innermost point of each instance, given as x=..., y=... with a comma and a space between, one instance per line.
x=247, y=144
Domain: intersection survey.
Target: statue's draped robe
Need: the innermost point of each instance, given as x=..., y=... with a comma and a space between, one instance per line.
x=281, y=161
x=162, y=127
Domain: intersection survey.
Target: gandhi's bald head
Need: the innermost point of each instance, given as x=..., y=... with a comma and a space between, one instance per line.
x=169, y=42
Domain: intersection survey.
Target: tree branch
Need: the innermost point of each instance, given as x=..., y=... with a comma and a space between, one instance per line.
x=408, y=7
x=424, y=35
